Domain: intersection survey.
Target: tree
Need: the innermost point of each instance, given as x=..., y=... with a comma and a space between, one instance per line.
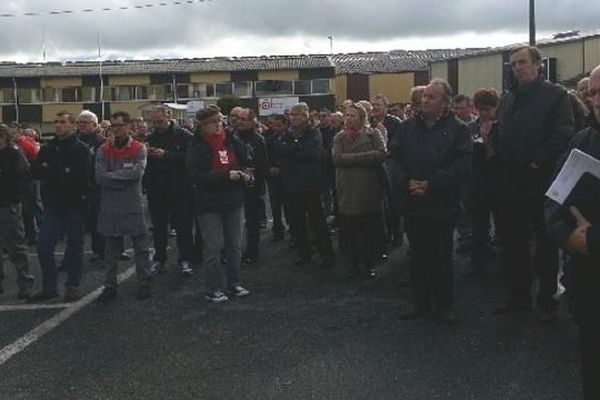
x=227, y=102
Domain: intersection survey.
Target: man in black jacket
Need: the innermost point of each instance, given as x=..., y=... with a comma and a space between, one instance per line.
x=62, y=166
x=14, y=177
x=581, y=239
x=431, y=156
x=279, y=124
x=168, y=189
x=302, y=172
x=253, y=194
x=88, y=132
x=536, y=123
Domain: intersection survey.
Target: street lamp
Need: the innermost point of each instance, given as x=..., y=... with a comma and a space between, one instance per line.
x=532, y=22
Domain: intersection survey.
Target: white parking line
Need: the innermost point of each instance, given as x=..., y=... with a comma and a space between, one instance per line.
x=19, y=307
x=36, y=333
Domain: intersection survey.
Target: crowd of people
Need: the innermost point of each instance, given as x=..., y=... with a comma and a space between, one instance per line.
x=381, y=175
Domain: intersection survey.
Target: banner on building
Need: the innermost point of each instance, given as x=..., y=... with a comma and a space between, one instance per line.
x=276, y=105
x=193, y=107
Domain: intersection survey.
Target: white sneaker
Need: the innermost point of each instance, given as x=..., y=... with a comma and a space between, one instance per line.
x=239, y=291
x=216, y=296
x=185, y=268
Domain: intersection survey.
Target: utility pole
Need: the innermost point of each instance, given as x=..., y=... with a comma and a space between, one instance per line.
x=532, y=22
x=330, y=44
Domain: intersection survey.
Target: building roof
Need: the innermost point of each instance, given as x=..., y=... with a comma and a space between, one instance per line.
x=136, y=67
x=392, y=61
x=558, y=38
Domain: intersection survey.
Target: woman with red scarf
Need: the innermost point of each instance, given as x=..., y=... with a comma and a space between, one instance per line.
x=215, y=163
x=358, y=155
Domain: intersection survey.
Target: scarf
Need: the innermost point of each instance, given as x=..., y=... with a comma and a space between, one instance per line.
x=351, y=133
x=223, y=158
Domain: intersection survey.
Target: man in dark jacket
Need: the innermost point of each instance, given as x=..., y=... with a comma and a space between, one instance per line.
x=391, y=123
x=62, y=166
x=88, y=132
x=254, y=194
x=536, y=123
x=328, y=132
x=14, y=178
x=302, y=172
x=431, y=160
x=169, y=193
x=581, y=239
x=279, y=124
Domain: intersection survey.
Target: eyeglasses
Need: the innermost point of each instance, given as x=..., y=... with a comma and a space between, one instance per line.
x=61, y=121
x=118, y=125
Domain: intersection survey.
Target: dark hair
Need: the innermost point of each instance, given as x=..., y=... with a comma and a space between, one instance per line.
x=214, y=106
x=124, y=115
x=206, y=113
x=578, y=111
x=66, y=113
x=534, y=52
x=460, y=98
x=5, y=131
x=280, y=117
x=486, y=97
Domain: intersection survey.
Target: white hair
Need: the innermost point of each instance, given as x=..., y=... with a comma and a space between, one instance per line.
x=87, y=115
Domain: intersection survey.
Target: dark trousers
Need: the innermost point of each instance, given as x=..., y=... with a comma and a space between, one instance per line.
x=589, y=343
x=431, y=264
x=55, y=223
x=303, y=207
x=32, y=210
x=93, y=210
x=278, y=209
x=517, y=220
x=360, y=238
x=253, y=206
x=464, y=223
x=165, y=207
x=481, y=209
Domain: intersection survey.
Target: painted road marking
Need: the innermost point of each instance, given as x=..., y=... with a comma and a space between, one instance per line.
x=19, y=307
x=36, y=333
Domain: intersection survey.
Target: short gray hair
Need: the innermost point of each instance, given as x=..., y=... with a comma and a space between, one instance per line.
x=300, y=108
x=87, y=115
x=447, y=89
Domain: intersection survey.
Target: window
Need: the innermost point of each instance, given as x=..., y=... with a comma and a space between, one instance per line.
x=273, y=87
x=183, y=91
x=88, y=94
x=243, y=89
x=8, y=96
x=198, y=90
x=68, y=95
x=320, y=86
x=123, y=93
x=157, y=92
x=141, y=93
x=225, y=88
x=106, y=94
x=49, y=95
x=302, y=87
x=29, y=96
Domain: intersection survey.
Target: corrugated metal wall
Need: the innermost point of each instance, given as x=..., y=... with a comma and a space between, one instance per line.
x=396, y=87
x=477, y=72
x=569, y=58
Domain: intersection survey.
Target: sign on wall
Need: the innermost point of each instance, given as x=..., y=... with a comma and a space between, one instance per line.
x=193, y=107
x=276, y=105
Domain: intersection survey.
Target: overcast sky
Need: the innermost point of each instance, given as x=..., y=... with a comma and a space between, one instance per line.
x=268, y=27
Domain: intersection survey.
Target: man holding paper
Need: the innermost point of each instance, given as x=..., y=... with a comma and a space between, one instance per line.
x=536, y=122
x=577, y=229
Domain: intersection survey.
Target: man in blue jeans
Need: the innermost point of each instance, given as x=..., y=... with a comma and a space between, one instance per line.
x=62, y=166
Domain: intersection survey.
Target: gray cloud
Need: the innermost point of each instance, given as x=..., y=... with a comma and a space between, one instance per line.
x=162, y=30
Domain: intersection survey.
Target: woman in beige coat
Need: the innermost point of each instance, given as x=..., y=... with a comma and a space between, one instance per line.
x=358, y=155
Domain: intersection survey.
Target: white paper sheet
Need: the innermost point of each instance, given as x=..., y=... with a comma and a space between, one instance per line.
x=577, y=163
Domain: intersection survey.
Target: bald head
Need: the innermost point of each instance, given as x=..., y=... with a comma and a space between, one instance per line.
x=594, y=91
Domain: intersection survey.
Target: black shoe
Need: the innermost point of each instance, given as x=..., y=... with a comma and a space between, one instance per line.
x=95, y=258
x=43, y=296
x=107, y=295
x=71, y=295
x=372, y=272
x=382, y=259
x=143, y=292
x=124, y=256
x=249, y=260
x=511, y=308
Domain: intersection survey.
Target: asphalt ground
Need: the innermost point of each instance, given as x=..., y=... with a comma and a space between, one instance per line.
x=303, y=333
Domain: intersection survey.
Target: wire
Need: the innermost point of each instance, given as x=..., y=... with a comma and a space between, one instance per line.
x=103, y=9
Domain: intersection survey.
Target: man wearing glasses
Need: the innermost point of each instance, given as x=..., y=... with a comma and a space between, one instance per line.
x=62, y=167
x=120, y=165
